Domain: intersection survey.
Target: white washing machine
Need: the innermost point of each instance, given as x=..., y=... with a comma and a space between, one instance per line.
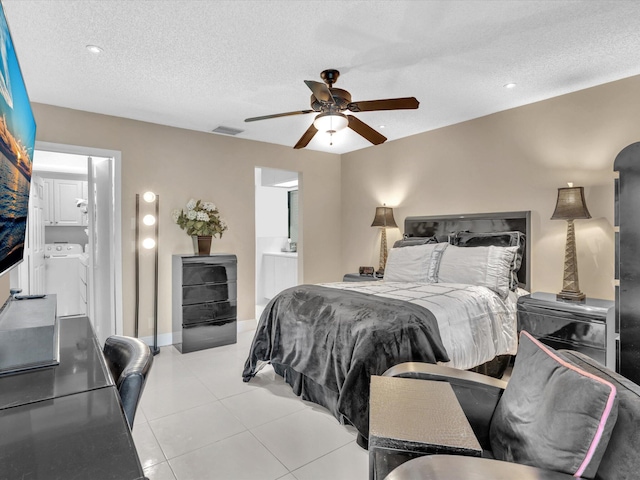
x=62, y=277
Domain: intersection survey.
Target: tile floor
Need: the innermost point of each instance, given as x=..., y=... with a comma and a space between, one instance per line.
x=198, y=420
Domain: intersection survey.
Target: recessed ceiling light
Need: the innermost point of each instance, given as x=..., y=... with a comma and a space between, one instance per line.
x=94, y=49
x=510, y=85
x=381, y=126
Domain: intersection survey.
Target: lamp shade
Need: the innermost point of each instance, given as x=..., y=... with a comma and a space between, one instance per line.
x=331, y=122
x=571, y=204
x=384, y=218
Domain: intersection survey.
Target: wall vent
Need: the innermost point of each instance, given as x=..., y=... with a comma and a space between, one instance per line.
x=226, y=130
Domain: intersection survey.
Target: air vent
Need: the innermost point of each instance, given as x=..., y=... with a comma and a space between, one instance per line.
x=226, y=130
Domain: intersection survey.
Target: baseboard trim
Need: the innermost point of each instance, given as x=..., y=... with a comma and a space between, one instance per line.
x=164, y=340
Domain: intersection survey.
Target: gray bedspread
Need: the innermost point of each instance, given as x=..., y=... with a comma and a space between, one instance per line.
x=338, y=339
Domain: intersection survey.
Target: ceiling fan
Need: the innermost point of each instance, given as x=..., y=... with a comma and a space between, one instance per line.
x=330, y=102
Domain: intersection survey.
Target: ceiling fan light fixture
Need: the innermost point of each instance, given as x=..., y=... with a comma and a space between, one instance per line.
x=331, y=122
x=95, y=49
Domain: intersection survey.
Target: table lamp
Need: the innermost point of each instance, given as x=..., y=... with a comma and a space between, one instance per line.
x=570, y=206
x=383, y=219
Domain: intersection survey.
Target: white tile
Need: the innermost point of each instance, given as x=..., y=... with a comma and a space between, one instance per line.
x=225, y=382
x=161, y=471
x=165, y=370
x=194, y=428
x=140, y=417
x=149, y=450
x=210, y=362
x=301, y=437
x=180, y=417
x=184, y=393
x=346, y=463
x=240, y=457
x=264, y=404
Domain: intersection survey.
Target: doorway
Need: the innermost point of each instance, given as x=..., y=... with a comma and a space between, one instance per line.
x=278, y=233
x=79, y=232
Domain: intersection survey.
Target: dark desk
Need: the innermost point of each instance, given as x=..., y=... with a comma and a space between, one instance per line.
x=66, y=421
x=82, y=368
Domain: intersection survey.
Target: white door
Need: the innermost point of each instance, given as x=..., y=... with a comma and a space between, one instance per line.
x=48, y=201
x=29, y=276
x=35, y=231
x=101, y=301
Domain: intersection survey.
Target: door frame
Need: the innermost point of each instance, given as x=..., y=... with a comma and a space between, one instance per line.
x=117, y=214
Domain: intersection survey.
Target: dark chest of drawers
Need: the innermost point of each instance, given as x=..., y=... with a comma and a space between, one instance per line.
x=204, y=303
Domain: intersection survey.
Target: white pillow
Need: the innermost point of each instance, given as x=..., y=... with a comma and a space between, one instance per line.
x=418, y=263
x=485, y=266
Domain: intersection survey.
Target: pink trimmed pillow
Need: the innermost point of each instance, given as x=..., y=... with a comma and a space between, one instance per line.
x=553, y=414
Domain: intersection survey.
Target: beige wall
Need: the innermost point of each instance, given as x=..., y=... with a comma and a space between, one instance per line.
x=512, y=160
x=180, y=164
x=509, y=161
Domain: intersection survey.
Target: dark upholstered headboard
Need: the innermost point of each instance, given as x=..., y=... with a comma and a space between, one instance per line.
x=444, y=225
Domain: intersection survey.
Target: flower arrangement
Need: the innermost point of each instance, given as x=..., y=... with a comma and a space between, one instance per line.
x=200, y=219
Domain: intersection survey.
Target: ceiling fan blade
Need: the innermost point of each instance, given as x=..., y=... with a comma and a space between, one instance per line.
x=320, y=91
x=389, y=104
x=266, y=117
x=365, y=130
x=306, y=137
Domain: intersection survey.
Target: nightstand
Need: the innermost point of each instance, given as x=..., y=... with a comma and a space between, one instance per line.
x=356, y=277
x=587, y=327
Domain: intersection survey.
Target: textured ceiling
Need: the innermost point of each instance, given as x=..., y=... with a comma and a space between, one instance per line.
x=203, y=64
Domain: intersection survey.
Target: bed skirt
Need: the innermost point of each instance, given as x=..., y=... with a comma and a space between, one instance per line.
x=313, y=392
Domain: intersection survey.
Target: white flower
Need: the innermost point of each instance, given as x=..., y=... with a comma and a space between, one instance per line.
x=200, y=218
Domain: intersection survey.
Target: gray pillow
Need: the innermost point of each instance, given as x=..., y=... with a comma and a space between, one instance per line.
x=497, y=239
x=483, y=266
x=412, y=241
x=417, y=263
x=553, y=414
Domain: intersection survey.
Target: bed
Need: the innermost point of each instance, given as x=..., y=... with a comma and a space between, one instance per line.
x=441, y=301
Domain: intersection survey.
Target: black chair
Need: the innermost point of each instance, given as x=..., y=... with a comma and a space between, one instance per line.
x=129, y=361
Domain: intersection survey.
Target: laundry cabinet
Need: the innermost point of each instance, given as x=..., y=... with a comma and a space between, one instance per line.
x=61, y=202
x=204, y=301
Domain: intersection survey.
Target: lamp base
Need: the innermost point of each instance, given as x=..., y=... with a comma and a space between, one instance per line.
x=571, y=296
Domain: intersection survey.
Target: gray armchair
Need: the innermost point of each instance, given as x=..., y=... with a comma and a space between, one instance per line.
x=480, y=396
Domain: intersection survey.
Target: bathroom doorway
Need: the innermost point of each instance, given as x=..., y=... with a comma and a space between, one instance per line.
x=278, y=233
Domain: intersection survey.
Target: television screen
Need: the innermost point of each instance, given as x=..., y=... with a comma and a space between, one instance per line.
x=17, y=139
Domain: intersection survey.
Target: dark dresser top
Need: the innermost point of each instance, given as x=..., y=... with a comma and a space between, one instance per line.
x=81, y=368
x=82, y=436
x=66, y=421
